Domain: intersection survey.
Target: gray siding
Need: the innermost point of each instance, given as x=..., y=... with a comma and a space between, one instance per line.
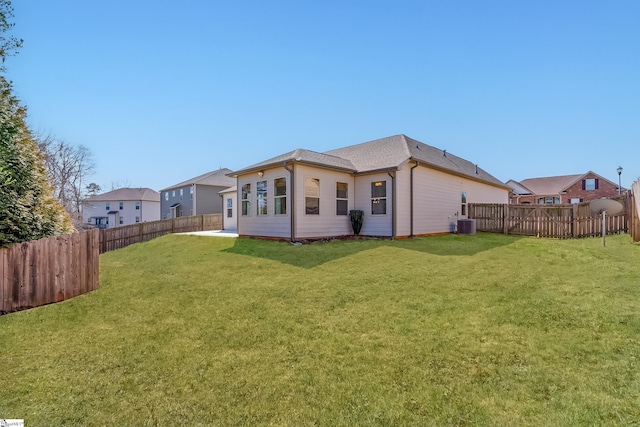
x=208, y=199
x=171, y=197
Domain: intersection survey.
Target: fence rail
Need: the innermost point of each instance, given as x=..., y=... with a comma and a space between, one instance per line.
x=120, y=237
x=547, y=221
x=48, y=270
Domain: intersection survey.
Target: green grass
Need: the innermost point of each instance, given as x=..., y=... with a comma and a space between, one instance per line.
x=451, y=330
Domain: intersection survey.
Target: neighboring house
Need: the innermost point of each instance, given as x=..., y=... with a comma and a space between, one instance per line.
x=123, y=206
x=565, y=189
x=196, y=196
x=403, y=186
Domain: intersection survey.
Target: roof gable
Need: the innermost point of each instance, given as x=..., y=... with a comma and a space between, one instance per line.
x=549, y=184
x=302, y=156
x=217, y=178
x=126, y=194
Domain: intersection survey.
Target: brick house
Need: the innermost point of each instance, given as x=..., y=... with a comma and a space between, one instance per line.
x=562, y=190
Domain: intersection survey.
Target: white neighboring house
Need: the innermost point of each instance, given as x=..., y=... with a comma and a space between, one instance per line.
x=124, y=206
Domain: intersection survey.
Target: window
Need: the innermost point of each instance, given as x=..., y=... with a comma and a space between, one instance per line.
x=342, y=203
x=107, y=205
x=181, y=192
x=549, y=200
x=121, y=205
x=312, y=196
x=463, y=207
x=121, y=220
x=590, y=184
x=137, y=219
x=379, y=198
x=191, y=191
x=166, y=196
x=246, y=199
x=261, y=197
x=280, y=196
x=229, y=207
x=575, y=201
x=137, y=206
x=173, y=193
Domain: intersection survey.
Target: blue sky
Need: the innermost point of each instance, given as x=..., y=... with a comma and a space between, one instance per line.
x=163, y=91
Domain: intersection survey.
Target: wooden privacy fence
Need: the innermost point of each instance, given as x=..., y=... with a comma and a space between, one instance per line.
x=634, y=211
x=559, y=221
x=120, y=237
x=48, y=270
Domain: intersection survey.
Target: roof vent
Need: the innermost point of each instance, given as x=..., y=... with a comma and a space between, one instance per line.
x=444, y=153
x=476, y=169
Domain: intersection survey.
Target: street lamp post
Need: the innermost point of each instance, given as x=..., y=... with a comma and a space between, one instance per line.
x=619, y=182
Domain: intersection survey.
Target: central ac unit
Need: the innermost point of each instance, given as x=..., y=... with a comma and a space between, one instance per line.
x=467, y=226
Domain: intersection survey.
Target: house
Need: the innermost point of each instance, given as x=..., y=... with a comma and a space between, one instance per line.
x=403, y=186
x=565, y=189
x=123, y=206
x=196, y=196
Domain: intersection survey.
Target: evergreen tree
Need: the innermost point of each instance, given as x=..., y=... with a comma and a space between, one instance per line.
x=28, y=208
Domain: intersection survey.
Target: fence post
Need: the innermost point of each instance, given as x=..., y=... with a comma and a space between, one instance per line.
x=574, y=220
x=505, y=219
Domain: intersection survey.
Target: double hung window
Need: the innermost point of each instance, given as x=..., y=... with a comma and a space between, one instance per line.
x=246, y=199
x=379, y=198
x=342, y=202
x=261, y=197
x=280, y=196
x=312, y=196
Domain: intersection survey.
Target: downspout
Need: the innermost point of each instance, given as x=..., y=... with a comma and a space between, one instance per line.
x=292, y=203
x=238, y=207
x=195, y=199
x=411, y=195
x=393, y=205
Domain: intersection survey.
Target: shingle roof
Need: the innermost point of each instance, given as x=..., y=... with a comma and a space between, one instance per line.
x=215, y=178
x=126, y=194
x=550, y=184
x=392, y=151
x=380, y=154
x=303, y=156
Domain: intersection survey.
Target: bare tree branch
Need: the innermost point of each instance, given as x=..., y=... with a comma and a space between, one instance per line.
x=68, y=167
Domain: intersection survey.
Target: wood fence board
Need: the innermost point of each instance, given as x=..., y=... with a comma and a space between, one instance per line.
x=58, y=268
x=120, y=237
x=556, y=221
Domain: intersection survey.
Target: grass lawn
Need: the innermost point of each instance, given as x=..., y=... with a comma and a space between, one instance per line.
x=451, y=330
